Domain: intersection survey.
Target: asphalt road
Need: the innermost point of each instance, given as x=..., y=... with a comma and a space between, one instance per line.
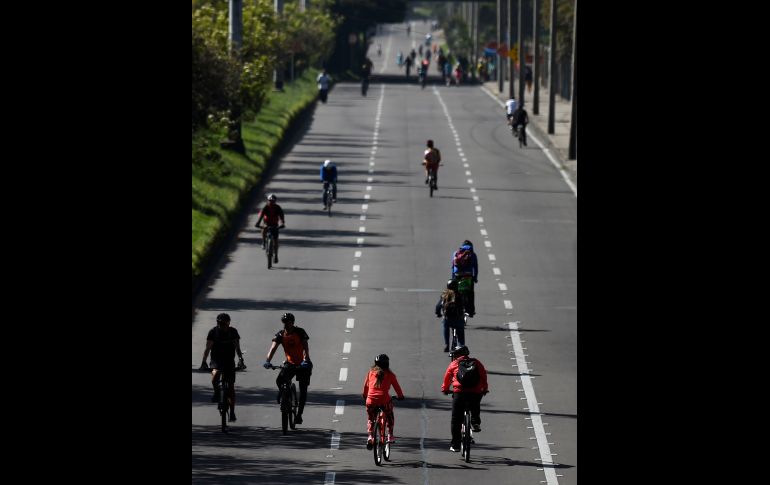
x=388, y=245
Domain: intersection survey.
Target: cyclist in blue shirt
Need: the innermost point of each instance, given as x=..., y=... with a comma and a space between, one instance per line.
x=329, y=176
x=465, y=269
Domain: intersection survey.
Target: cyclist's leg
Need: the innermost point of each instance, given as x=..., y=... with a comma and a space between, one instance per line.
x=457, y=417
x=275, y=238
x=280, y=380
x=474, y=401
x=264, y=235
x=524, y=133
x=303, y=378
x=215, y=384
x=390, y=417
x=471, y=300
x=446, y=333
x=334, y=191
x=230, y=376
x=371, y=413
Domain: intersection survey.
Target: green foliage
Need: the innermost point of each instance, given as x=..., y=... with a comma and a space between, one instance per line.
x=214, y=81
x=565, y=10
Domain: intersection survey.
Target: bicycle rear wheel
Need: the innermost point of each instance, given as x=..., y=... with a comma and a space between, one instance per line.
x=466, y=436
x=378, y=442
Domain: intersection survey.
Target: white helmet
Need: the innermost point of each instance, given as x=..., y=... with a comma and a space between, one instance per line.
x=327, y=162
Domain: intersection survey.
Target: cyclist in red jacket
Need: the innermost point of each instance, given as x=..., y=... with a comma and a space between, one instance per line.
x=464, y=396
x=271, y=213
x=377, y=393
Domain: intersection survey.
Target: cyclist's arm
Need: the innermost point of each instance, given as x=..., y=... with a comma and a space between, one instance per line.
x=397, y=386
x=209, y=345
x=306, y=350
x=447, y=377
x=483, y=375
x=280, y=215
x=272, y=350
x=238, y=348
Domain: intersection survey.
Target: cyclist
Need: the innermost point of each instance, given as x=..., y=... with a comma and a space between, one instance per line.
x=329, y=176
x=323, y=81
x=271, y=213
x=462, y=397
x=465, y=266
x=451, y=306
x=297, y=363
x=510, y=107
x=431, y=158
x=520, y=118
x=223, y=341
x=377, y=393
x=366, y=70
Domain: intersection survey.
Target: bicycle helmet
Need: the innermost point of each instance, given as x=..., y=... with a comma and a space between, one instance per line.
x=272, y=197
x=223, y=318
x=382, y=361
x=459, y=350
x=451, y=285
x=430, y=143
x=287, y=318
x=327, y=162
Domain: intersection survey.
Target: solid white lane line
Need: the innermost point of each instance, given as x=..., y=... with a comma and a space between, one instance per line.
x=345, y=350
x=344, y=374
x=529, y=392
x=350, y=323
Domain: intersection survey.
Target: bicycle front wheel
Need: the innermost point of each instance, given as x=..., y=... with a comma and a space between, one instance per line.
x=270, y=252
x=285, y=410
x=293, y=406
x=223, y=405
x=466, y=443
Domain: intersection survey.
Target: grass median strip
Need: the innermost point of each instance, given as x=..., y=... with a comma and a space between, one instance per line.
x=220, y=185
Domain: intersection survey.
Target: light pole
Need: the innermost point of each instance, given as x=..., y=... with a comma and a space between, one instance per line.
x=552, y=73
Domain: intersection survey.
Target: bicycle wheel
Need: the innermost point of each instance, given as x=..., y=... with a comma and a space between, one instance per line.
x=386, y=451
x=430, y=183
x=329, y=201
x=270, y=251
x=378, y=442
x=285, y=409
x=466, y=443
x=293, y=407
x=223, y=404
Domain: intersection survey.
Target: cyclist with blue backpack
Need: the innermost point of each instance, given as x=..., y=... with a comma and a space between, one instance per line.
x=451, y=306
x=468, y=378
x=465, y=269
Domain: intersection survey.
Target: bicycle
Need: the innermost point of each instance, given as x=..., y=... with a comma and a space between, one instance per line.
x=272, y=234
x=223, y=405
x=289, y=401
x=381, y=448
x=464, y=287
x=454, y=333
x=328, y=197
x=432, y=185
x=364, y=85
x=520, y=134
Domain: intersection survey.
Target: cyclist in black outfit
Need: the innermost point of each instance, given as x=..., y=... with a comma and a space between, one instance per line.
x=223, y=341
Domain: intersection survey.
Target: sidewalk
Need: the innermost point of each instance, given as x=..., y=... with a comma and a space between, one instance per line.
x=558, y=143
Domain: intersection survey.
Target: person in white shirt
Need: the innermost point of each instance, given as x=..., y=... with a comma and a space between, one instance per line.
x=323, y=85
x=510, y=107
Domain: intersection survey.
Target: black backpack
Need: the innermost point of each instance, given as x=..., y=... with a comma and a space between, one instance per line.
x=468, y=373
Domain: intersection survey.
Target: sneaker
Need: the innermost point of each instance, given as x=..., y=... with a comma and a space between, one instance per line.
x=298, y=419
x=275, y=259
x=446, y=348
x=232, y=416
x=476, y=428
x=369, y=443
x=217, y=395
x=454, y=448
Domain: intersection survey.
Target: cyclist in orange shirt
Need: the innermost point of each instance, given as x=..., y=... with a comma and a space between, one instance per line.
x=294, y=341
x=377, y=393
